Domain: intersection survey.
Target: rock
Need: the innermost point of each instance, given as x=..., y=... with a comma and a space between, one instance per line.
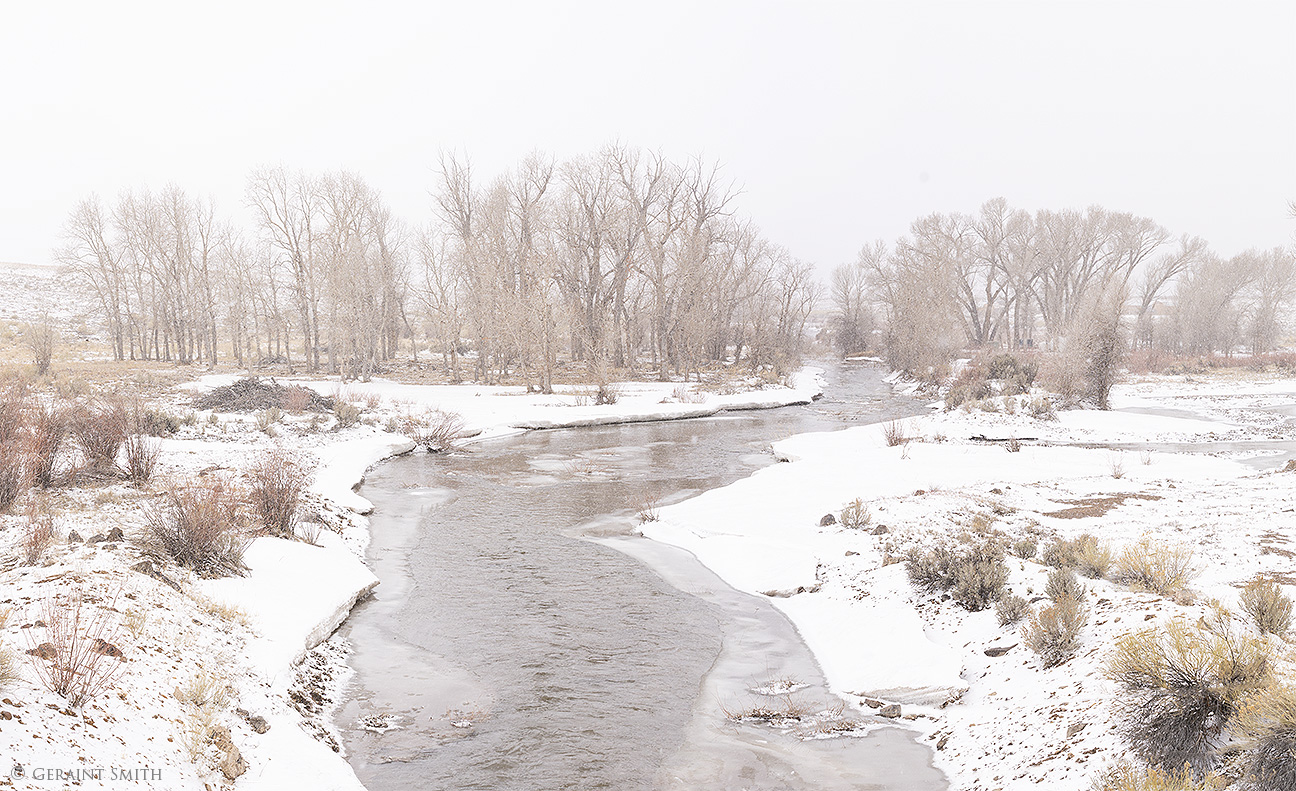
x=1075, y=728
x=116, y=534
x=828, y=519
x=881, y=530
x=144, y=567
x=256, y=722
x=891, y=711
x=74, y=536
x=999, y=650
x=232, y=764
x=106, y=648
x=944, y=740
x=996, y=490
x=873, y=703
x=44, y=651
x=97, y=538
x=1290, y=466
x=851, y=553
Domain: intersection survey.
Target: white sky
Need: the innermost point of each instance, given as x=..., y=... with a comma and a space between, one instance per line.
x=842, y=122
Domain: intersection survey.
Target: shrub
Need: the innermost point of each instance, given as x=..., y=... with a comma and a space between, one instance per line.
x=1011, y=609
x=1125, y=776
x=79, y=657
x=893, y=432
x=43, y=440
x=8, y=667
x=974, y=576
x=1161, y=568
x=38, y=532
x=347, y=414
x=1041, y=408
x=1184, y=684
x=1083, y=553
x=1271, y=610
x=1025, y=548
x=12, y=474
x=856, y=515
x=433, y=431
x=1054, y=632
x=99, y=431
x=41, y=338
x=270, y=415
x=1268, y=726
x=13, y=413
x=142, y=453
x=607, y=395
x=1064, y=584
x=156, y=423
x=199, y=526
x=278, y=483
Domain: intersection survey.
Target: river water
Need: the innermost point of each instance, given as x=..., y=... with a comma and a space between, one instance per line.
x=524, y=637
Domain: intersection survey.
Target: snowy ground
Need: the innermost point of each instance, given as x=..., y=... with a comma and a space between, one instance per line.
x=1005, y=722
x=245, y=652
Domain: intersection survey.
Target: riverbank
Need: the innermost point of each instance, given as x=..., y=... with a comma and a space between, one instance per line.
x=970, y=687
x=241, y=653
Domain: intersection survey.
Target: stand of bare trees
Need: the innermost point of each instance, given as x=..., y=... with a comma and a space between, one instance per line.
x=1090, y=282
x=620, y=259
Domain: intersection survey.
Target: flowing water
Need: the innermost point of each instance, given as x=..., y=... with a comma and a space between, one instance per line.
x=524, y=637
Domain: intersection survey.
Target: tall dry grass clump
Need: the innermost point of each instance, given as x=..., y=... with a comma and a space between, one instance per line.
x=79, y=657
x=44, y=437
x=99, y=430
x=1166, y=569
x=278, y=483
x=1269, y=608
x=1183, y=684
x=200, y=527
x=38, y=532
x=894, y=433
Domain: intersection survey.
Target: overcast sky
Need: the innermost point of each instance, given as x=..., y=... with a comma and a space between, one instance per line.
x=842, y=122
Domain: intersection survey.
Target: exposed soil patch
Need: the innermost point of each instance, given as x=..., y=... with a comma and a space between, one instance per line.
x=1096, y=506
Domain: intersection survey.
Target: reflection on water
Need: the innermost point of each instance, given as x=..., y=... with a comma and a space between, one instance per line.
x=524, y=638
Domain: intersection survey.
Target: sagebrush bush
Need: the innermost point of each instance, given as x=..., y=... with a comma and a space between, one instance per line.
x=1268, y=607
x=1183, y=684
x=1268, y=724
x=1025, y=548
x=200, y=527
x=1161, y=568
x=1054, y=632
x=1011, y=609
x=1041, y=408
x=856, y=514
x=347, y=414
x=1064, y=584
x=1084, y=553
x=278, y=483
x=973, y=575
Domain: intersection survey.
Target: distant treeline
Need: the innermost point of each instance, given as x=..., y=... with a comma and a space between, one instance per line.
x=1007, y=279
x=620, y=259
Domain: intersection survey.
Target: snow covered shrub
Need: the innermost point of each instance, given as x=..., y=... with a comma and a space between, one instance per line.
x=973, y=575
x=1161, y=568
x=434, y=431
x=1268, y=725
x=856, y=515
x=278, y=483
x=1025, y=548
x=1083, y=553
x=199, y=527
x=1054, y=632
x=1011, y=609
x=1125, y=776
x=893, y=431
x=42, y=442
x=1041, y=408
x=156, y=423
x=142, y=453
x=270, y=415
x=606, y=395
x=79, y=657
x=1184, y=684
x=1064, y=584
x=99, y=431
x=1271, y=610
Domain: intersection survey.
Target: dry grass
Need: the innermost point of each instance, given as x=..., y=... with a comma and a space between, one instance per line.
x=1268, y=607
x=1183, y=685
x=38, y=532
x=13, y=476
x=42, y=441
x=1166, y=569
x=199, y=526
x=894, y=433
x=99, y=430
x=9, y=672
x=142, y=453
x=278, y=483
x=856, y=515
x=1268, y=726
x=1125, y=776
x=79, y=657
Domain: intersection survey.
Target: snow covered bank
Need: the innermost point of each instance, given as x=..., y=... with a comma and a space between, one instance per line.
x=999, y=718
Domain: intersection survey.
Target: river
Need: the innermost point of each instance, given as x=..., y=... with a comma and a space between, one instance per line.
x=524, y=637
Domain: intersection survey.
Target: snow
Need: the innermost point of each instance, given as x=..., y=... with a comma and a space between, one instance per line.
x=1002, y=722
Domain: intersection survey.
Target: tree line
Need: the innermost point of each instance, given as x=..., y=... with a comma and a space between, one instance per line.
x=623, y=259
x=1055, y=280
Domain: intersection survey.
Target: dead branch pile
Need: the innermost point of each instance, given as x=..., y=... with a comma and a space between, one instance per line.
x=252, y=394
